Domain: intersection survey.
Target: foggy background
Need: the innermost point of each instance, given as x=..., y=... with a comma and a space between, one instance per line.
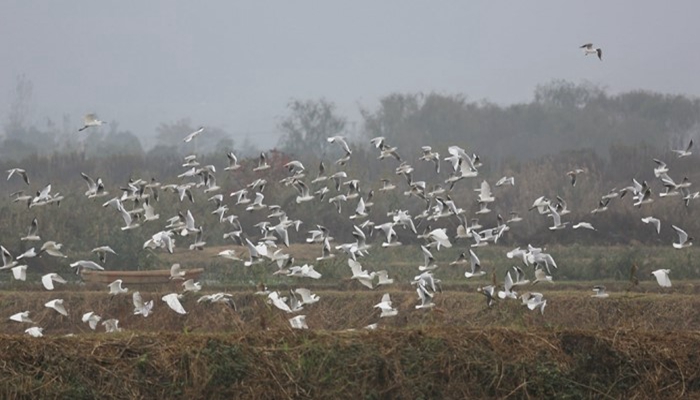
x=236, y=65
x=508, y=83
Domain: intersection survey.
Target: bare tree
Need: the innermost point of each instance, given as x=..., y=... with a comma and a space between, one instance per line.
x=21, y=106
x=308, y=125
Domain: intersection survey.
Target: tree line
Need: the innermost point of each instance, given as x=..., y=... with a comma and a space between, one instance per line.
x=614, y=138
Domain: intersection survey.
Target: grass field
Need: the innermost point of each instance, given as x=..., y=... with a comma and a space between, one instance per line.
x=353, y=309
x=638, y=343
x=420, y=363
x=626, y=346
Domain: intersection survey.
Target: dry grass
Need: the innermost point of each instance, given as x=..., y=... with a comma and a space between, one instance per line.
x=353, y=309
x=582, y=347
x=431, y=362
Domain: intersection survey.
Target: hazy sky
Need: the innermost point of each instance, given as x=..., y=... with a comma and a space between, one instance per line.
x=236, y=64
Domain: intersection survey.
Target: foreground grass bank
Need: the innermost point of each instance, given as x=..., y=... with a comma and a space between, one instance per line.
x=393, y=363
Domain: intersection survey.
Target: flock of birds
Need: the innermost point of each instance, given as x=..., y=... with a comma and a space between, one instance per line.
x=137, y=206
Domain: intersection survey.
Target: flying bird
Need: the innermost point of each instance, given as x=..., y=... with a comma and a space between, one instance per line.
x=173, y=301
x=20, y=272
x=279, y=302
x=86, y=264
x=220, y=297
x=341, y=141
x=176, y=272
x=599, y=292
x=21, y=317
x=573, y=175
x=429, y=263
x=33, y=233
x=684, y=152
x=585, y=225
x=386, y=308
x=232, y=162
x=48, y=280
x=683, y=239
x=364, y=277
x=141, y=307
x=306, y=296
x=91, y=319
x=116, y=288
x=654, y=221
x=507, y=291
x=18, y=171
x=31, y=253
x=541, y=276
x=488, y=292
x=193, y=135
x=475, y=266
x=52, y=248
x=662, y=278
x=262, y=163
x=7, y=260
x=57, y=305
x=534, y=301
x=588, y=49
x=191, y=286
x=506, y=180
x=111, y=325
x=298, y=322
x=96, y=188
x=425, y=297
x=431, y=156
x=102, y=252
x=90, y=120
x=34, y=331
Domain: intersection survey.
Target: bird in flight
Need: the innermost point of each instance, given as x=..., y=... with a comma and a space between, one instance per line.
x=20, y=172
x=192, y=135
x=90, y=120
x=588, y=49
